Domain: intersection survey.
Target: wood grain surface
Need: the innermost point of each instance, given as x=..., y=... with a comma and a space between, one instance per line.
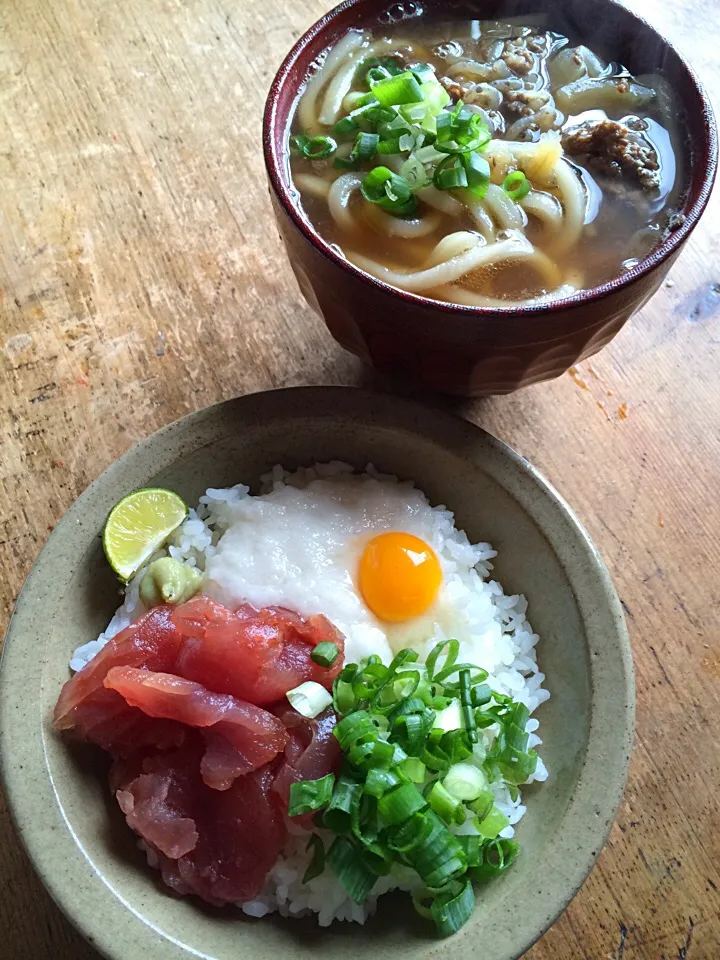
x=142, y=278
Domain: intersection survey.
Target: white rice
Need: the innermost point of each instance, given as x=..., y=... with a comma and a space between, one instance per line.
x=282, y=547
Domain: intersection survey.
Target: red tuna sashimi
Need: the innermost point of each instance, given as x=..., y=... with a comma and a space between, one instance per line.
x=218, y=845
x=255, y=655
x=239, y=736
x=100, y=715
x=312, y=752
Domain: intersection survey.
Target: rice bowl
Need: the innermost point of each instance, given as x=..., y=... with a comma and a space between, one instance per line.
x=297, y=545
x=467, y=489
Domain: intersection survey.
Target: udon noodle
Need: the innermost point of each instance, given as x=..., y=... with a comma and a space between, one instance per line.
x=563, y=172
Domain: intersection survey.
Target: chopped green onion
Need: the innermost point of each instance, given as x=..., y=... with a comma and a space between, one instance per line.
x=389, y=64
x=393, y=91
x=516, y=185
x=317, y=863
x=366, y=756
x=337, y=815
x=477, y=170
x=414, y=173
x=451, y=718
x=450, y=175
x=376, y=74
x=363, y=151
x=451, y=910
x=472, y=847
x=314, y=148
x=465, y=781
x=445, y=805
x=417, y=760
x=482, y=804
x=388, y=146
x=493, y=824
x=325, y=654
x=480, y=694
x=347, y=864
x=389, y=191
x=498, y=855
x=460, y=131
x=309, y=699
x=413, y=769
x=379, y=781
x=345, y=125
x=309, y=795
x=400, y=803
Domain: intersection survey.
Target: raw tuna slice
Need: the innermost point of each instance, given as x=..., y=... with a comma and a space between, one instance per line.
x=239, y=736
x=218, y=845
x=255, y=655
x=100, y=715
x=312, y=753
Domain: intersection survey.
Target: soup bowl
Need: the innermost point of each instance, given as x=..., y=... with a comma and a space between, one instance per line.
x=470, y=351
x=58, y=793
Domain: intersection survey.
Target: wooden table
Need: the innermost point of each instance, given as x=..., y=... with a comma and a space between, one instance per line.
x=142, y=277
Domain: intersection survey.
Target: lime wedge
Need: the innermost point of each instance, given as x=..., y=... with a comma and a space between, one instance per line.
x=138, y=525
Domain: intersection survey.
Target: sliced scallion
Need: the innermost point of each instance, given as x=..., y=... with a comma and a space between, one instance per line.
x=516, y=185
x=451, y=910
x=309, y=699
x=465, y=781
x=310, y=795
x=313, y=148
x=325, y=654
x=389, y=191
x=493, y=823
x=345, y=859
x=393, y=91
x=497, y=856
x=400, y=803
x=445, y=805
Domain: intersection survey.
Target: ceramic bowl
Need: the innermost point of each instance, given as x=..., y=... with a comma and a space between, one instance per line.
x=464, y=350
x=58, y=794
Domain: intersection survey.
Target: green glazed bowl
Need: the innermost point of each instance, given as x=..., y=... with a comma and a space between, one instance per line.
x=58, y=794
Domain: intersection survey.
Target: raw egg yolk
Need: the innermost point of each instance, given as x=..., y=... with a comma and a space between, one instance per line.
x=400, y=576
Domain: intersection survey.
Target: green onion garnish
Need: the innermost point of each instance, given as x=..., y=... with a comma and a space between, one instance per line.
x=445, y=805
x=493, y=824
x=460, y=131
x=337, y=814
x=416, y=765
x=362, y=152
x=389, y=191
x=497, y=856
x=310, y=795
x=465, y=781
x=313, y=148
x=451, y=910
x=450, y=174
x=477, y=170
x=400, y=803
x=516, y=185
x=325, y=654
x=309, y=699
x=317, y=863
x=346, y=862
x=393, y=91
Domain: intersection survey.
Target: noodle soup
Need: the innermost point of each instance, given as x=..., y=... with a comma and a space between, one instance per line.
x=484, y=163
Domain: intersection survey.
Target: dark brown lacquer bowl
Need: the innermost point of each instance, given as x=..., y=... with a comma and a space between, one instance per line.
x=466, y=350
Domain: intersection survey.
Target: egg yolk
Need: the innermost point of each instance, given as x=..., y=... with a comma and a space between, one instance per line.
x=400, y=576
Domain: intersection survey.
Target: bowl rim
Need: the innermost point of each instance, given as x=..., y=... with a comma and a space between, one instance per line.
x=281, y=185
x=25, y=757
